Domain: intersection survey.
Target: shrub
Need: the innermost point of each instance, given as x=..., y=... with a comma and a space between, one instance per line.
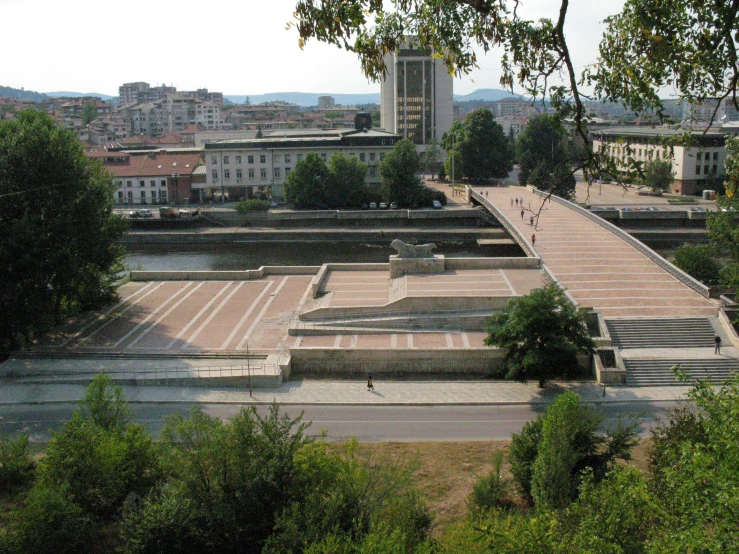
x=253, y=205
x=16, y=468
x=491, y=490
x=428, y=195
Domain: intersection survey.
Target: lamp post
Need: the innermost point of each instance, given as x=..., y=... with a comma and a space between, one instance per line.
x=454, y=137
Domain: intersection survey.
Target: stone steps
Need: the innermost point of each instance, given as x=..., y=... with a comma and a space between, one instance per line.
x=686, y=332
x=658, y=371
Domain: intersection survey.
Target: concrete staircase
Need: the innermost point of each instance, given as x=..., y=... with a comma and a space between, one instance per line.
x=686, y=332
x=658, y=371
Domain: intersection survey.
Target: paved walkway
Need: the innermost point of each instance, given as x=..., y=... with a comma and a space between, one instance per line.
x=354, y=393
x=597, y=267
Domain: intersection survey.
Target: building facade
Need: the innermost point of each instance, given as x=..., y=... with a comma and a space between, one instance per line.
x=694, y=168
x=416, y=96
x=249, y=168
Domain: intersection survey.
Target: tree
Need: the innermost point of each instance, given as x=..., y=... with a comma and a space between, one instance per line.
x=105, y=405
x=305, y=186
x=699, y=262
x=485, y=152
x=431, y=158
x=89, y=112
x=542, y=334
x=345, y=187
x=651, y=45
x=59, y=250
x=549, y=455
x=658, y=175
x=398, y=170
x=544, y=158
x=453, y=164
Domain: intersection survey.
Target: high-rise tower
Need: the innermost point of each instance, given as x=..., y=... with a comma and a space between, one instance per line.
x=416, y=96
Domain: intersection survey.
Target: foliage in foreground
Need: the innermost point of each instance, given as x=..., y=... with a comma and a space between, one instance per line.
x=542, y=334
x=253, y=205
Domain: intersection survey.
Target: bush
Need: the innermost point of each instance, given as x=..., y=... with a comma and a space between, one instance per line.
x=698, y=262
x=16, y=468
x=49, y=522
x=491, y=490
x=428, y=195
x=253, y=205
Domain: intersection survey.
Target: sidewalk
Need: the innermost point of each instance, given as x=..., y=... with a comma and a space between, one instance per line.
x=320, y=392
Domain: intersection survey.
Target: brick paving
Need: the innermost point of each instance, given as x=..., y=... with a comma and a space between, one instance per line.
x=596, y=266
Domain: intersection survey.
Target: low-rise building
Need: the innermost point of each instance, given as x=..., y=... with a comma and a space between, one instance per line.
x=247, y=168
x=154, y=177
x=692, y=166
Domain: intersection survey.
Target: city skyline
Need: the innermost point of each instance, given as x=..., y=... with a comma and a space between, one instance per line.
x=239, y=48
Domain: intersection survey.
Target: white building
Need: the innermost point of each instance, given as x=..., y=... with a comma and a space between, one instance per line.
x=416, y=96
x=692, y=166
x=247, y=168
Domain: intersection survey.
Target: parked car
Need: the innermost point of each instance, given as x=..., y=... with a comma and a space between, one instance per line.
x=700, y=210
x=169, y=212
x=437, y=205
x=373, y=205
x=141, y=214
x=383, y=205
x=393, y=205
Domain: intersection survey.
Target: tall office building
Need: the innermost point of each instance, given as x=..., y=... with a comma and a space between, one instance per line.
x=416, y=96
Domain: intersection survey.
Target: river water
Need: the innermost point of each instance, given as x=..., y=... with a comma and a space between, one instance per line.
x=242, y=256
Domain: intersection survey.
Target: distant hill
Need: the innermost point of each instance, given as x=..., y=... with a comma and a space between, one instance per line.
x=22, y=94
x=484, y=95
x=305, y=99
x=68, y=94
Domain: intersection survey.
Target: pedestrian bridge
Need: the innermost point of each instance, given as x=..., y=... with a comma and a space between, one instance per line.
x=655, y=315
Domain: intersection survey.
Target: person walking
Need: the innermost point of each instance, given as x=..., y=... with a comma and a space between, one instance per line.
x=533, y=239
x=511, y=202
x=370, y=386
x=521, y=201
x=531, y=221
x=522, y=214
x=517, y=202
x=717, y=342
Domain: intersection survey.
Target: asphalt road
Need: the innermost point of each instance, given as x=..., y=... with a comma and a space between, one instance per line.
x=366, y=423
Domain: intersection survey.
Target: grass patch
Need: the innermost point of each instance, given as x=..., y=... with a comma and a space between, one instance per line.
x=682, y=200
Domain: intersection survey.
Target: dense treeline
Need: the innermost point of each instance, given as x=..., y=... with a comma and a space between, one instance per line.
x=259, y=483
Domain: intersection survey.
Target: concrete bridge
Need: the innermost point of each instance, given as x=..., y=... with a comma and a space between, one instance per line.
x=653, y=315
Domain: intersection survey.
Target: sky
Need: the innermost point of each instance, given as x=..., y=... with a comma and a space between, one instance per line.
x=234, y=47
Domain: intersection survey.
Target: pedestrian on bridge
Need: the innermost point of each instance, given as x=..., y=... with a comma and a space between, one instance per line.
x=522, y=214
x=516, y=202
x=531, y=221
x=717, y=342
x=533, y=239
x=370, y=386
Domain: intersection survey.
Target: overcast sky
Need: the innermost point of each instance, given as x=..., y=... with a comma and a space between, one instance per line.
x=235, y=47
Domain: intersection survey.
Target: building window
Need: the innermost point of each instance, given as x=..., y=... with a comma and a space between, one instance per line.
x=262, y=159
x=705, y=170
x=277, y=173
x=238, y=174
x=142, y=184
x=714, y=169
x=361, y=157
x=120, y=196
x=164, y=182
x=238, y=159
x=276, y=157
x=697, y=170
x=225, y=160
x=215, y=175
x=323, y=157
x=130, y=197
x=120, y=183
x=143, y=197
x=250, y=159
x=287, y=158
x=382, y=156
x=128, y=183
x=715, y=156
x=226, y=174
x=251, y=174
x=373, y=171
x=153, y=183
x=213, y=160
x=163, y=196
x=300, y=157
x=263, y=174
x=287, y=171
x=372, y=156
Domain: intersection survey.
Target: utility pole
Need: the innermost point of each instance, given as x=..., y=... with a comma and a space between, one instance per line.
x=454, y=137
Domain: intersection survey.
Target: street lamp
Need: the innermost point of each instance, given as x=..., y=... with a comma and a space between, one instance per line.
x=454, y=137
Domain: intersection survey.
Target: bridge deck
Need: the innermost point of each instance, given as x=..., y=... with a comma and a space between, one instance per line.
x=596, y=266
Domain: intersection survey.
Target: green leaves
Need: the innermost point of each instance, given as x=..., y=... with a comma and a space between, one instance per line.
x=398, y=170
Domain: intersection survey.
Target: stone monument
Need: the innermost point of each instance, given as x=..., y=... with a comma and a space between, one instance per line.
x=413, y=260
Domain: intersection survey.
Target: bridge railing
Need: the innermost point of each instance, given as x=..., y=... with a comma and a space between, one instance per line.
x=678, y=274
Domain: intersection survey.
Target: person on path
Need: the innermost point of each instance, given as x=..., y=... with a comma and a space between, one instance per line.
x=370, y=386
x=512, y=202
x=521, y=201
x=531, y=221
x=521, y=214
x=533, y=239
x=517, y=202
x=717, y=342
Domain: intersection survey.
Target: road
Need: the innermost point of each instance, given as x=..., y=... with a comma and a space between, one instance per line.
x=366, y=423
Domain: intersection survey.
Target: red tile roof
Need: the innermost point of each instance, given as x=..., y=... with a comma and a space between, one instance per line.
x=155, y=165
